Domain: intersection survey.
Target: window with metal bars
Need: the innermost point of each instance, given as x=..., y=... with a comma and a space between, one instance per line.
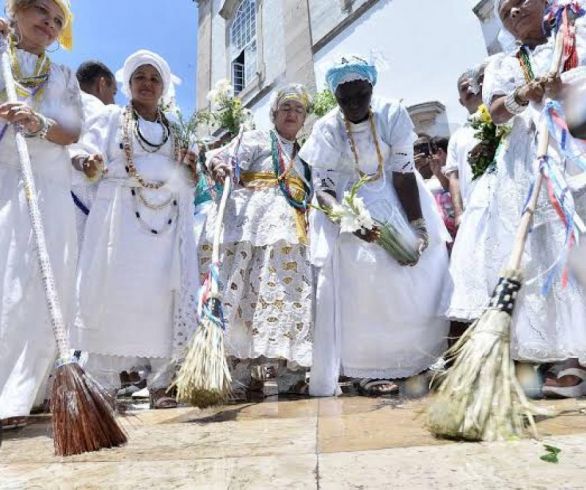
x=243, y=45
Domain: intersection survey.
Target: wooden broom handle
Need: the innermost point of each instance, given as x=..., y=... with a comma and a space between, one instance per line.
x=542, y=149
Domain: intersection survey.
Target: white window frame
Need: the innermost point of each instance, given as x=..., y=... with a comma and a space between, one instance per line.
x=243, y=43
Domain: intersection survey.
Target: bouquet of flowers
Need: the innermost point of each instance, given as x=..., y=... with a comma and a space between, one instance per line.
x=228, y=112
x=490, y=136
x=353, y=217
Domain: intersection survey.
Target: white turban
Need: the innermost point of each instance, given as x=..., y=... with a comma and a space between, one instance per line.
x=144, y=57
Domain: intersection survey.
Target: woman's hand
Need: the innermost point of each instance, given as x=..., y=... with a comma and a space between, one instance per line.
x=91, y=165
x=19, y=112
x=531, y=92
x=553, y=86
x=220, y=169
x=189, y=158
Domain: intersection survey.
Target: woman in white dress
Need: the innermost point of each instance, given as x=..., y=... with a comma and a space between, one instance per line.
x=266, y=273
x=376, y=319
x=138, y=278
x=547, y=326
x=51, y=115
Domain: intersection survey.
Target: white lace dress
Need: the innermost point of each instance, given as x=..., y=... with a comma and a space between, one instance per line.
x=374, y=317
x=545, y=327
x=27, y=346
x=266, y=275
x=136, y=289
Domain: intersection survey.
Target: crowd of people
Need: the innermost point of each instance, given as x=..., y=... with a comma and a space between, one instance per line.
x=307, y=296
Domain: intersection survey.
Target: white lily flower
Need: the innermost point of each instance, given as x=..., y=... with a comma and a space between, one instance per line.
x=348, y=224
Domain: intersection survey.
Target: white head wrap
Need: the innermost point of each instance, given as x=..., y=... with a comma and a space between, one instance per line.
x=506, y=39
x=144, y=57
x=292, y=91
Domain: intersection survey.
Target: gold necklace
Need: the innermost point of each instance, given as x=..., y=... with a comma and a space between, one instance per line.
x=127, y=125
x=379, y=156
x=33, y=86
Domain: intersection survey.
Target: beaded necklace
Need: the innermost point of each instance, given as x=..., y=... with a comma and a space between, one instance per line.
x=379, y=156
x=281, y=170
x=127, y=127
x=128, y=123
x=524, y=58
x=144, y=143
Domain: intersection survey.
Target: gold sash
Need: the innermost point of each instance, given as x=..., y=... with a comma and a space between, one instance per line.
x=265, y=180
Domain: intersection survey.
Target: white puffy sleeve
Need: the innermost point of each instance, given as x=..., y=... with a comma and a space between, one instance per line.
x=99, y=132
x=63, y=99
x=501, y=77
x=452, y=156
x=245, y=150
x=322, y=151
x=397, y=131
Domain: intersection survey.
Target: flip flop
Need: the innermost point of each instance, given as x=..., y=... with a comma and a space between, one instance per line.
x=13, y=423
x=575, y=391
x=371, y=387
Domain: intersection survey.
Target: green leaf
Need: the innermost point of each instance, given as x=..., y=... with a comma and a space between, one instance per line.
x=550, y=458
x=552, y=449
x=552, y=454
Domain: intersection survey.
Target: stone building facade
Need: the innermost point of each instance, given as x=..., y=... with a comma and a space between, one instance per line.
x=262, y=44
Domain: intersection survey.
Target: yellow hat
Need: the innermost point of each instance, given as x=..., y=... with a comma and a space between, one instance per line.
x=66, y=36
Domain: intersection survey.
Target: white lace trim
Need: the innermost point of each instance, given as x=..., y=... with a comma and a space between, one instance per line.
x=268, y=300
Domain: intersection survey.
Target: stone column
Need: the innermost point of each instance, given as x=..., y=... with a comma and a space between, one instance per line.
x=298, y=43
x=204, y=52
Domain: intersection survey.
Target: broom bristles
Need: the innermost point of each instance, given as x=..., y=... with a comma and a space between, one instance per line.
x=82, y=414
x=204, y=378
x=479, y=397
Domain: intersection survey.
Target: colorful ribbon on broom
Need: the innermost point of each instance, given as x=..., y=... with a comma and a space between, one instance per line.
x=558, y=14
x=558, y=190
x=207, y=306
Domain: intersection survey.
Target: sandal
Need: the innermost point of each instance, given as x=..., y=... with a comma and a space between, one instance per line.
x=377, y=387
x=13, y=423
x=159, y=399
x=301, y=388
x=575, y=391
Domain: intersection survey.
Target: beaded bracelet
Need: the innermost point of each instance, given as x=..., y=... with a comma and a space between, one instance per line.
x=42, y=125
x=49, y=123
x=512, y=104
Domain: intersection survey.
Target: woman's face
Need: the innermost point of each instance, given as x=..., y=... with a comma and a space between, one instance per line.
x=290, y=118
x=354, y=99
x=146, y=85
x=523, y=18
x=40, y=24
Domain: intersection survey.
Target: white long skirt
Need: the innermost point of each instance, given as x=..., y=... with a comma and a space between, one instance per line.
x=128, y=280
x=546, y=327
x=376, y=318
x=27, y=345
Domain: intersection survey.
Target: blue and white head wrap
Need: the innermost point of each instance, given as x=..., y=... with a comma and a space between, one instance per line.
x=350, y=69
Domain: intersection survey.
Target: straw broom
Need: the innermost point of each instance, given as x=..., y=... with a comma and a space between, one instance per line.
x=82, y=415
x=479, y=398
x=204, y=378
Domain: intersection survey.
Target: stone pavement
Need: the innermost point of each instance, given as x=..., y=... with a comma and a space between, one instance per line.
x=343, y=443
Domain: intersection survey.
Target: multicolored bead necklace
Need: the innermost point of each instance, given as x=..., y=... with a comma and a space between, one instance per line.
x=282, y=170
x=524, y=57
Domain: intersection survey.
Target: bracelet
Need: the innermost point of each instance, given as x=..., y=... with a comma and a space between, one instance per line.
x=49, y=123
x=419, y=224
x=42, y=124
x=512, y=104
